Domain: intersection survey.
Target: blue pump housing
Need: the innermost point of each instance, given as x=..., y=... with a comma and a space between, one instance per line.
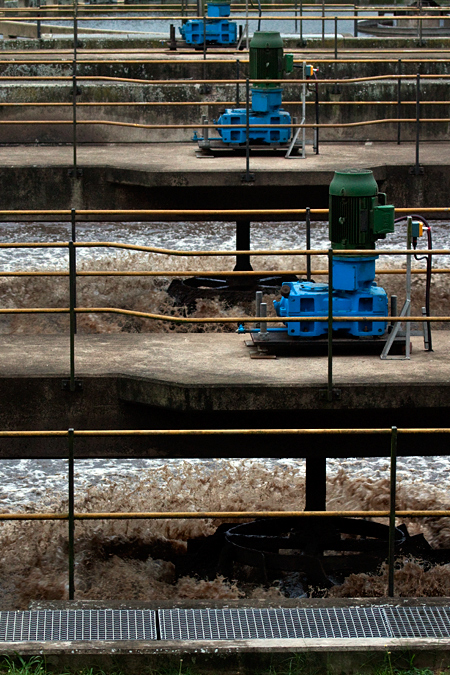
x=354, y=294
x=219, y=30
x=266, y=109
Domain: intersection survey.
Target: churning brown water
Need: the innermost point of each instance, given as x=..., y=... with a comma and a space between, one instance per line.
x=135, y=560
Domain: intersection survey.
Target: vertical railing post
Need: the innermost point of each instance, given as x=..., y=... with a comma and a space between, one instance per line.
x=417, y=165
x=71, y=516
x=393, y=489
x=238, y=77
x=295, y=14
x=355, y=21
x=204, y=36
x=335, y=39
x=308, y=243
x=73, y=278
x=330, y=325
x=399, y=99
x=301, y=23
x=72, y=326
x=323, y=21
x=247, y=131
x=38, y=22
x=74, y=118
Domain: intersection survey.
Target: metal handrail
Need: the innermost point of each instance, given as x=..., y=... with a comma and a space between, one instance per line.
x=71, y=516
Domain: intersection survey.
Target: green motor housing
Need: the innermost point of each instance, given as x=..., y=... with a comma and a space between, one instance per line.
x=358, y=214
x=267, y=60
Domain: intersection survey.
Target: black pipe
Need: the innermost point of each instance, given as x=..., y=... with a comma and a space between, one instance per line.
x=399, y=99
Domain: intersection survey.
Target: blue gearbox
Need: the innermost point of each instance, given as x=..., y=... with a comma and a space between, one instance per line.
x=354, y=294
x=266, y=109
x=219, y=30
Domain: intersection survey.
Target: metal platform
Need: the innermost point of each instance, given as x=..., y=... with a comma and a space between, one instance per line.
x=284, y=345
x=81, y=625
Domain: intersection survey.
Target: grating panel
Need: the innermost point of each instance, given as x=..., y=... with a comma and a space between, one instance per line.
x=244, y=624
x=426, y=622
x=79, y=624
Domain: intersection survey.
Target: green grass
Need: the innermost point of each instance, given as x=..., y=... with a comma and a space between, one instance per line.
x=296, y=664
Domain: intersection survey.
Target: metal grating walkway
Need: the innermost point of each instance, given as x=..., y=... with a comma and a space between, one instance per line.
x=78, y=624
x=224, y=624
x=347, y=622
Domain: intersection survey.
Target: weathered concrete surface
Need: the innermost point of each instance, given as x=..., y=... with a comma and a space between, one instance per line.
x=158, y=176
x=195, y=381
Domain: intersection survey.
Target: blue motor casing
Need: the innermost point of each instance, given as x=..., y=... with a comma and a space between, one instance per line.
x=354, y=294
x=219, y=31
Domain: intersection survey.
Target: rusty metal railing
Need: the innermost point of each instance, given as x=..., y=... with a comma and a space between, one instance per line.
x=71, y=516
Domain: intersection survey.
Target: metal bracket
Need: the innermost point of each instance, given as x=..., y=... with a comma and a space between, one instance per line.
x=250, y=178
x=336, y=394
x=416, y=172
x=65, y=385
x=75, y=173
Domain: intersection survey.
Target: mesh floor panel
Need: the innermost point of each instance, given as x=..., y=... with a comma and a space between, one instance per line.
x=432, y=622
x=244, y=624
x=348, y=622
x=79, y=624
x=225, y=624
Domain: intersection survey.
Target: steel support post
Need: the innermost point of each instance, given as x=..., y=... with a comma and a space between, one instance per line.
x=393, y=489
x=238, y=77
x=323, y=21
x=71, y=516
x=72, y=282
x=73, y=277
x=330, y=326
x=242, y=244
x=316, y=484
x=399, y=99
x=308, y=243
x=417, y=165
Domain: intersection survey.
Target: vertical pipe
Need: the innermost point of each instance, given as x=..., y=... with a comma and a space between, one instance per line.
x=335, y=38
x=247, y=130
x=258, y=300
x=394, y=310
x=204, y=37
x=238, y=77
x=243, y=244
x=408, y=289
x=72, y=274
x=323, y=21
x=71, y=516
x=74, y=113
x=308, y=243
x=391, y=555
x=263, y=333
x=316, y=484
x=399, y=98
x=38, y=22
x=75, y=29
x=316, y=106
x=355, y=21
x=301, y=23
x=172, y=38
x=73, y=281
x=417, y=167
x=295, y=14
x=330, y=325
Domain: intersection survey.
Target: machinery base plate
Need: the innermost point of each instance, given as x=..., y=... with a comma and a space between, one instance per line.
x=217, y=148
x=281, y=344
